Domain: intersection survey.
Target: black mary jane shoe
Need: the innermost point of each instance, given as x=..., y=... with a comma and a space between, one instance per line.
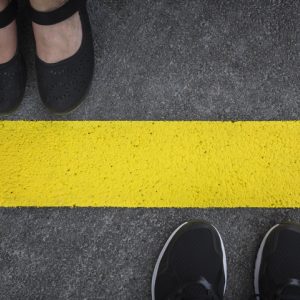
x=13, y=72
x=64, y=85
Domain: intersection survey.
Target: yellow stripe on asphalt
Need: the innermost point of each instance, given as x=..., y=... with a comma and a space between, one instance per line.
x=150, y=164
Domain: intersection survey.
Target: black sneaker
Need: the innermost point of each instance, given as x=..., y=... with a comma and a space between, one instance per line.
x=191, y=265
x=277, y=268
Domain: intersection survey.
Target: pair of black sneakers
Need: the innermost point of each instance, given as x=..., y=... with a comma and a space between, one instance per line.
x=192, y=265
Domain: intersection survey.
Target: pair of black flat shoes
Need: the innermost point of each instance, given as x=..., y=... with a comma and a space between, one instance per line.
x=62, y=85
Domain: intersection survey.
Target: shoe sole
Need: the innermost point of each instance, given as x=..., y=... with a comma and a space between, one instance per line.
x=259, y=259
x=154, y=276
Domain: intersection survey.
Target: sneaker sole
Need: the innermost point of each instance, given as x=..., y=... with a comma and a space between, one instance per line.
x=164, y=250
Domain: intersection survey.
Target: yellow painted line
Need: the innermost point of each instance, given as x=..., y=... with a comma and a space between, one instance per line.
x=150, y=164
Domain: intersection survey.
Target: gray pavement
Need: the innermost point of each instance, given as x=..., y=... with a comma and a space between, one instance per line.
x=157, y=60
x=110, y=253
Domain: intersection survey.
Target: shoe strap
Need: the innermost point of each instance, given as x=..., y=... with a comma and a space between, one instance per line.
x=58, y=15
x=9, y=14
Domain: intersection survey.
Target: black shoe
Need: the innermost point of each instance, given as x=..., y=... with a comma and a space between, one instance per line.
x=13, y=72
x=64, y=85
x=277, y=268
x=191, y=265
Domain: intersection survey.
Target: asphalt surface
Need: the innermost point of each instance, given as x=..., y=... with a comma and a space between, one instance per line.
x=157, y=60
x=110, y=253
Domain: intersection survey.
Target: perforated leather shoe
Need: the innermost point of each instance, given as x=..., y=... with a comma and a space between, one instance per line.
x=13, y=72
x=64, y=85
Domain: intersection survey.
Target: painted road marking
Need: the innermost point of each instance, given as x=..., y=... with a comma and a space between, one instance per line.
x=150, y=164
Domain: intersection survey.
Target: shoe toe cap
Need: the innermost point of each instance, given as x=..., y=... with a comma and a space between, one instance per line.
x=63, y=86
x=12, y=84
x=63, y=100
x=9, y=102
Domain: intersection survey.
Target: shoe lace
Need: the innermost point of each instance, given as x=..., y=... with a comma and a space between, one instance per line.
x=188, y=292
x=280, y=293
